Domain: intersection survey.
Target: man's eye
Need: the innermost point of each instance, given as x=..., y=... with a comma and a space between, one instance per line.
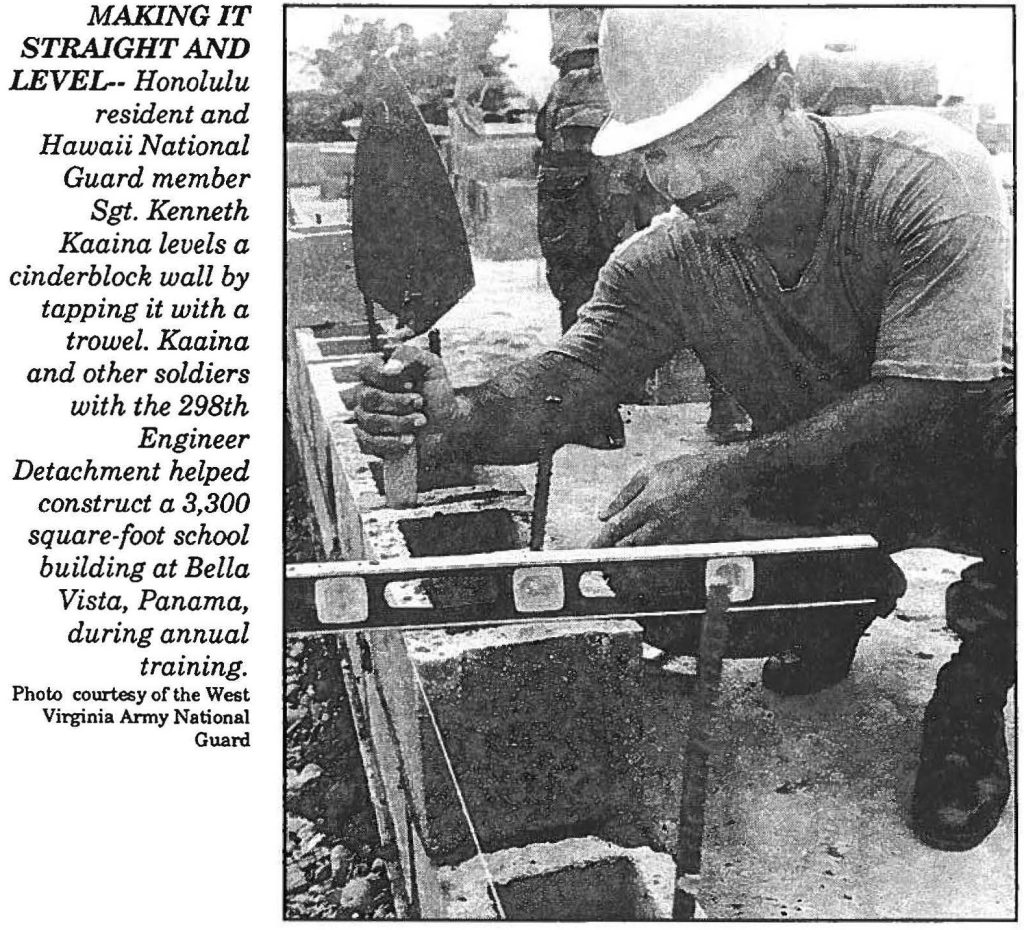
x=654, y=157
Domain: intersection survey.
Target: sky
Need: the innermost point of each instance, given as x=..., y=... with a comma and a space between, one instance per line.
x=972, y=47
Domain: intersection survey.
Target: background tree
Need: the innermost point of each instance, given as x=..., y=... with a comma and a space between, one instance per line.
x=316, y=116
x=438, y=69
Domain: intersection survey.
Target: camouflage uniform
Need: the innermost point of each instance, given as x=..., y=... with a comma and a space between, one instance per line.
x=585, y=205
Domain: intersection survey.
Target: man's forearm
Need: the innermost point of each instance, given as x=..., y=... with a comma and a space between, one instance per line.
x=549, y=398
x=887, y=410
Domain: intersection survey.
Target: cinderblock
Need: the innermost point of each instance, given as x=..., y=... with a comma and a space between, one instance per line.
x=540, y=723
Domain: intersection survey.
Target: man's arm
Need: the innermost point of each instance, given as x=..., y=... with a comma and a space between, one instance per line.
x=502, y=421
x=631, y=325
x=685, y=499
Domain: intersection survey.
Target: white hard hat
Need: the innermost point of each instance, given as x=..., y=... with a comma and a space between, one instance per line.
x=664, y=68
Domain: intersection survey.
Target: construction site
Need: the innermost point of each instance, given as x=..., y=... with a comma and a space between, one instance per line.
x=474, y=727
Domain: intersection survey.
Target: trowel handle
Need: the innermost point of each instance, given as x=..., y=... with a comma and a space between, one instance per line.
x=401, y=472
x=400, y=479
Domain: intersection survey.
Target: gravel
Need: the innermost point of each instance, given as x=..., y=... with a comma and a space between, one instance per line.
x=333, y=864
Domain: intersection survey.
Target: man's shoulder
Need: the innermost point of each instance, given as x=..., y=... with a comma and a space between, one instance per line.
x=919, y=143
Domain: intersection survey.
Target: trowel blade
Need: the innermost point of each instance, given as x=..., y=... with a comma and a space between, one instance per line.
x=410, y=248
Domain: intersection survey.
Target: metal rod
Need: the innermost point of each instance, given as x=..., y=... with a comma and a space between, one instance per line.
x=545, y=461
x=714, y=640
x=541, y=493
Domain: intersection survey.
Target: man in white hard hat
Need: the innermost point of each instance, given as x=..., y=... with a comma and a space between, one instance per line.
x=845, y=279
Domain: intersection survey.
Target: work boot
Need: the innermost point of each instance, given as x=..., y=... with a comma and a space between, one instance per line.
x=963, y=781
x=824, y=656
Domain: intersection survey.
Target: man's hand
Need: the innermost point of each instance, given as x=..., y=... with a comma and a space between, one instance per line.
x=690, y=499
x=406, y=397
x=677, y=501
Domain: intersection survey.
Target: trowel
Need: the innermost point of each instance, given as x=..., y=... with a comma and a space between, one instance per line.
x=409, y=243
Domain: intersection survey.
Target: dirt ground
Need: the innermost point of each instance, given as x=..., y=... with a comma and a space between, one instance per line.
x=808, y=809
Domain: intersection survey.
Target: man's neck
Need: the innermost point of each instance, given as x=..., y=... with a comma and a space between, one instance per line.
x=787, y=227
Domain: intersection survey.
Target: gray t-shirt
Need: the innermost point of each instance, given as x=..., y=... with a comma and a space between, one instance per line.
x=908, y=279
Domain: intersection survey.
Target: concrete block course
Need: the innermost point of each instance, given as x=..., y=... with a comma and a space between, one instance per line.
x=528, y=769
x=315, y=411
